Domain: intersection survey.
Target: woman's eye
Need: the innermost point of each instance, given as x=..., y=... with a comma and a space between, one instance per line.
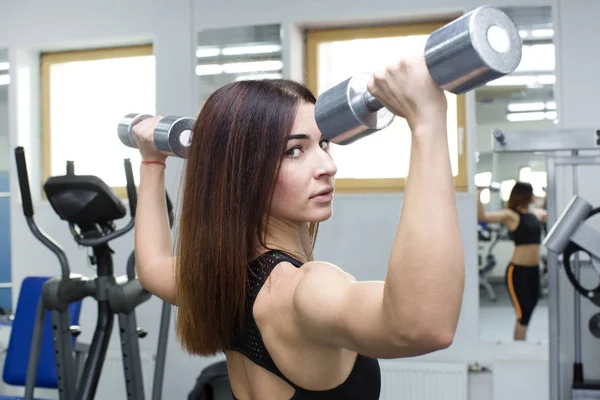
x=293, y=152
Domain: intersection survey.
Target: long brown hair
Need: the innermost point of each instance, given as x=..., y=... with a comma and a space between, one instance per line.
x=520, y=195
x=239, y=139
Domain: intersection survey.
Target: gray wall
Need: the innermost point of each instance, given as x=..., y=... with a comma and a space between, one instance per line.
x=364, y=222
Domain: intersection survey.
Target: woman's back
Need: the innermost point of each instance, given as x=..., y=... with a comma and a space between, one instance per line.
x=272, y=359
x=523, y=224
x=527, y=238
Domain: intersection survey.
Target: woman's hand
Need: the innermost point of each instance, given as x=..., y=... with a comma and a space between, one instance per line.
x=407, y=90
x=143, y=134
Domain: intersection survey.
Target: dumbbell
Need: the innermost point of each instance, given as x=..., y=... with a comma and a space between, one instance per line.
x=463, y=55
x=172, y=134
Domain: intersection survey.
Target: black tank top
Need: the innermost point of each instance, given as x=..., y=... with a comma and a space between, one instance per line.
x=364, y=381
x=529, y=230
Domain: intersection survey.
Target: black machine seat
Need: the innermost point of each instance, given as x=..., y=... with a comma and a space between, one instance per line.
x=83, y=200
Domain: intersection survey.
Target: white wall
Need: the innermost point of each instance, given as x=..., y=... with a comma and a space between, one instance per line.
x=172, y=26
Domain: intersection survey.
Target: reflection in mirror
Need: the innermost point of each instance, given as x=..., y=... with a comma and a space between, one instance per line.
x=226, y=55
x=512, y=280
x=5, y=272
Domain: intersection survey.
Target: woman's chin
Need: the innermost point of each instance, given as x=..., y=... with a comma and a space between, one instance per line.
x=321, y=216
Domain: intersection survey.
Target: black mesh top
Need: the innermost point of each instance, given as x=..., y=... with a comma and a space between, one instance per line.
x=529, y=230
x=364, y=382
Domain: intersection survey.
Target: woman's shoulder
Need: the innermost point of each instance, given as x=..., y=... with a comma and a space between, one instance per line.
x=540, y=214
x=288, y=274
x=275, y=256
x=513, y=214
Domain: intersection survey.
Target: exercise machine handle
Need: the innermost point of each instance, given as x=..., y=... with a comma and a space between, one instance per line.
x=70, y=168
x=28, y=211
x=24, y=182
x=131, y=190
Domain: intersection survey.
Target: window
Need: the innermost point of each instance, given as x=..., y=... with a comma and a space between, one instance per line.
x=84, y=95
x=238, y=53
x=334, y=55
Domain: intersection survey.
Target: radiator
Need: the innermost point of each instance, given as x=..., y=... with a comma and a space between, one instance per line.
x=410, y=380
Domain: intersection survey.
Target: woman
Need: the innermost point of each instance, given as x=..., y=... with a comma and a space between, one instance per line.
x=259, y=178
x=522, y=276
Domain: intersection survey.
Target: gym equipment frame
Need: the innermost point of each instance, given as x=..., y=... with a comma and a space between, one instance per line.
x=88, y=203
x=557, y=142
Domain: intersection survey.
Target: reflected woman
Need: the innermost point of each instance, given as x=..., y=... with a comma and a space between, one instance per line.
x=524, y=222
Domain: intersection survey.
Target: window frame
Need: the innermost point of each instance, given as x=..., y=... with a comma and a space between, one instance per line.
x=314, y=37
x=47, y=59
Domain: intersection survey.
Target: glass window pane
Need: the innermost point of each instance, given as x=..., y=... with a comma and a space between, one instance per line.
x=87, y=100
x=384, y=154
x=226, y=55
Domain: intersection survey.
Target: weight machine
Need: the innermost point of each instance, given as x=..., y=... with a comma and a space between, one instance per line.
x=567, y=378
x=91, y=208
x=488, y=261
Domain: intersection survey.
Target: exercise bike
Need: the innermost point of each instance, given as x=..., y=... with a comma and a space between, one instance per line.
x=91, y=208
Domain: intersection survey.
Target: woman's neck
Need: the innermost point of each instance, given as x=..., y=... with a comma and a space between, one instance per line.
x=285, y=236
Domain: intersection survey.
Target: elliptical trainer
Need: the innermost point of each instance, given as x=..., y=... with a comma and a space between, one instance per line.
x=91, y=208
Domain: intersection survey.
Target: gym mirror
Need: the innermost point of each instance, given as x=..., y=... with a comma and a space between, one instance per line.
x=524, y=101
x=5, y=273
x=229, y=54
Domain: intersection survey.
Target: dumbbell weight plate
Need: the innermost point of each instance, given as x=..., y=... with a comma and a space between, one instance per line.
x=173, y=135
x=351, y=118
x=126, y=125
x=473, y=50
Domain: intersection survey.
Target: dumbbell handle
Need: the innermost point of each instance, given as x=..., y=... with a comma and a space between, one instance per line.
x=375, y=105
x=371, y=102
x=464, y=54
